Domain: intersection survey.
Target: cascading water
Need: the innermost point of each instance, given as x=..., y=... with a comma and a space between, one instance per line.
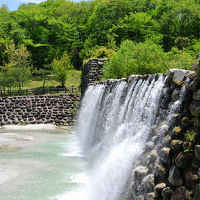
x=114, y=124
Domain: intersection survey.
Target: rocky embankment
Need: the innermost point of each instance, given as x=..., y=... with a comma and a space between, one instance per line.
x=39, y=109
x=181, y=157
x=171, y=166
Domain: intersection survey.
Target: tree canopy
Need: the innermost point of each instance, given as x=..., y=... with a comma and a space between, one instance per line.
x=101, y=27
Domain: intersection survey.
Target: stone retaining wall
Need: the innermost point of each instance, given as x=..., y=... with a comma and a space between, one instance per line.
x=91, y=72
x=39, y=109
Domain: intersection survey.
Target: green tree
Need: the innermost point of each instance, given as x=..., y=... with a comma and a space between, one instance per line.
x=17, y=70
x=180, y=59
x=60, y=68
x=136, y=58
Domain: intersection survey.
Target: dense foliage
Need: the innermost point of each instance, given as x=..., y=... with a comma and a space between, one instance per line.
x=148, y=35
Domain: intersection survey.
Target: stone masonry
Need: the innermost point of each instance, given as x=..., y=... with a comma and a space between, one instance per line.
x=39, y=109
x=91, y=72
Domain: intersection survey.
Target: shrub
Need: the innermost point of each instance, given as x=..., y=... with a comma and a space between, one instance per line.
x=180, y=59
x=136, y=58
x=60, y=68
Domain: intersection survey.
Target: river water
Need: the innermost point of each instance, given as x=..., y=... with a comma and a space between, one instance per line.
x=38, y=163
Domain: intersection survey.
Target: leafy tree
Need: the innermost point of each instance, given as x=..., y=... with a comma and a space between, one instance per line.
x=136, y=58
x=60, y=68
x=138, y=27
x=17, y=71
x=180, y=59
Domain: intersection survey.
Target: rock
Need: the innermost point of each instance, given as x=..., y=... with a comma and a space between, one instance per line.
x=167, y=140
x=195, y=108
x=196, y=95
x=199, y=173
x=184, y=160
x=176, y=116
x=176, y=130
x=153, y=156
x=191, y=84
x=181, y=194
x=140, y=172
x=149, y=146
x=176, y=145
x=195, y=163
x=197, y=152
x=164, y=128
x=130, y=197
x=148, y=183
x=175, y=94
x=150, y=196
x=179, y=75
x=158, y=190
x=197, y=192
x=160, y=170
x=175, y=177
x=185, y=121
x=141, y=197
x=191, y=179
x=164, y=156
x=191, y=74
x=167, y=193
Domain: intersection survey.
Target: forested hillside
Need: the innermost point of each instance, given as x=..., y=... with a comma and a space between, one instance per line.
x=162, y=30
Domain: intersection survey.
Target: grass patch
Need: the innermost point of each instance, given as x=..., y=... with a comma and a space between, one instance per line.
x=73, y=79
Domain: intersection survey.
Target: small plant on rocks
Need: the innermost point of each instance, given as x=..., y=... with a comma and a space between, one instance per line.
x=190, y=136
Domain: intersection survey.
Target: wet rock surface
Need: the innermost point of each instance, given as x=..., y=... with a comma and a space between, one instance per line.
x=175, y=176
x=181, y=194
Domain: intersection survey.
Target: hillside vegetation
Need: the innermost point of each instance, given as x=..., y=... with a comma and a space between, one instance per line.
x=50, y=38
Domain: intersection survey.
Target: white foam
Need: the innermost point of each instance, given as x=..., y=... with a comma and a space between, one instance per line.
x=31, y=127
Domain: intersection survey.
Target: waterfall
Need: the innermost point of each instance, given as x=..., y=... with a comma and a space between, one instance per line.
x=114, y=124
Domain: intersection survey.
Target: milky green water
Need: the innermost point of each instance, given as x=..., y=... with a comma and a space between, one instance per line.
x=46, y=167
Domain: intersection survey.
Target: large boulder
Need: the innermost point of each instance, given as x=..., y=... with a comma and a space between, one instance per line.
x=175, y=177
x=191, y=83
x=197, y=152
x=181, y=194
x=165, y=155
x=160, y=170
x=150, y=196
x=148, y=183
x=184, y=160
x=140, y=172
x=158, y=190
x=185, y=121
x=197, y=192
x=167, y=193
x=176, y=145
x=179, y=75
x=195, y=108
x=196, y=95
x=191, y=179
x=175, y=94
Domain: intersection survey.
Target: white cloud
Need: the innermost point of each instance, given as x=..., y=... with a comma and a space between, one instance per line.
x=31, y=1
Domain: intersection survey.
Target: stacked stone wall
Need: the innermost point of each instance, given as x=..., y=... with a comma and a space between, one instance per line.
x=39, y=109
x=91, y=72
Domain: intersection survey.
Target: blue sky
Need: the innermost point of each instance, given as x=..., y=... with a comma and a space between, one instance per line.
x=14, y=4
